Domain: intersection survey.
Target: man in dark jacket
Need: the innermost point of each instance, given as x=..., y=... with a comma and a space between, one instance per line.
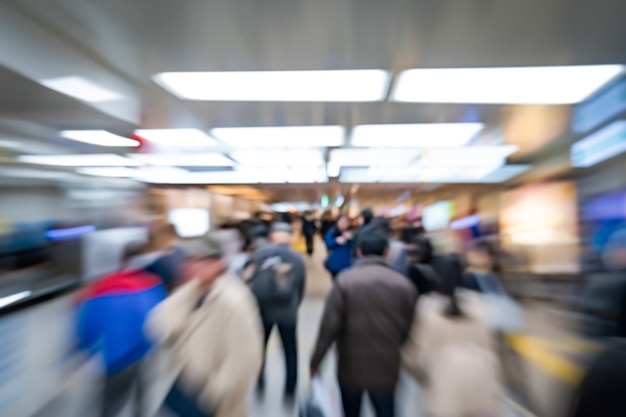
x=368, y=314
x=281, y=313
x=364, y=220
x=309, y=229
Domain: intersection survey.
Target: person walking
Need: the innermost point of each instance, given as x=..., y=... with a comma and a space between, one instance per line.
x=368, y=314
x=450, y=343
x=367, y=215
x=339, y=244
x=326, y=224
x=397, y=252
x=212, y=324
x=111, y=315
x=309, y=230
x=278, y=282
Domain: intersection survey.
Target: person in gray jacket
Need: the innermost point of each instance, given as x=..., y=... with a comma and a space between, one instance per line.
x=279, y=294
x=368, y=314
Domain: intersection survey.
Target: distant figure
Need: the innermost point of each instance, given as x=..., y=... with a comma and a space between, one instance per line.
x=327, y=223
x=167, y=262
x=212, y=323
x=278, y=282
x=364, y=219
x=309, y=230
x=111, y=315
x=368, y=314
x=339, y=244
x=450, y=345
x=421, y=266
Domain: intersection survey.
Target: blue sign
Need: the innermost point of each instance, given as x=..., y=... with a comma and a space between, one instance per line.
x=602, y=107
x=599, y=146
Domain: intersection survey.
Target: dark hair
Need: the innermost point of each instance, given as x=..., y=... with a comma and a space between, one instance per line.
x=367, y=214
x=423, y=249
x=133, y=249
x=378, y=225
x=372, y=244
x=452, y=277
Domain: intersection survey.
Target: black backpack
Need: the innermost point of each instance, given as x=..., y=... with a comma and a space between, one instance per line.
x=273, y=278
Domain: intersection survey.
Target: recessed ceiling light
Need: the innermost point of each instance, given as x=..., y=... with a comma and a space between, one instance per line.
x=114, y=172
x=344, y=85
x=467, y=156
x=99, y=137
x=420, y=135
x=360, y=157
x=177, y=137
x=80, y=160
x=513, y=85
x=81, y=89
x=244, y=176
x=333, y=169
x=281, y=136
x=211, y=159
x=278, y=158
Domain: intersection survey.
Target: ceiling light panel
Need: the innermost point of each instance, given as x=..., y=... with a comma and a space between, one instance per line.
x=244, y=176
x=210, y=159
x=80, y=160
x=273, y=158
x=513, y=85
x=99, y=137
x=113, y=172
x=81, y=89
x=467, y=156
x=356, y=157
x=282, y=136
x=313, y=86
x=177, y=137
x=422, y=135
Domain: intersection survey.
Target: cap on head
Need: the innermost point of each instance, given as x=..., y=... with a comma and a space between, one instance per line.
x=208, y=246
x=259, y=231
x=280, y=227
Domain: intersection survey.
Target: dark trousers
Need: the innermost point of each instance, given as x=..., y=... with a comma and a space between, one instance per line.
x=290, y=347
x=383, y=402
x=119, y=388
x=183, y=404
x=309, y=244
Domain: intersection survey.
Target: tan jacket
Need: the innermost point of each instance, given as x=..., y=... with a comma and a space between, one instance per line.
x=218, y=345
x=455, y=358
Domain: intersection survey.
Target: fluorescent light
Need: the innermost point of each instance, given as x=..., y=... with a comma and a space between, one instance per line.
x=422, y=135
x=333, y=169
x=177, y=137
x=360, y=157
x=514, y=85
x=347, y=85
x=445, y=175
x=211, y=159
x=81, y=89
x=467, y=156
x=282, y=136
x=599, y=146
x=10, y=144
x=80, y=160
x=280, y=157
x=113, y=172
x=99, y=137
x=190, y=222
x=245, y=176
x=11, y=299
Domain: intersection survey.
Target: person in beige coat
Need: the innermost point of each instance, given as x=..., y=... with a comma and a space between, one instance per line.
x=451, y=351
x=212, y=326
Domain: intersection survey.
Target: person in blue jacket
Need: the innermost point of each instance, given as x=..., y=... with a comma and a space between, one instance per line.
x=111, y=316
x=339, y=244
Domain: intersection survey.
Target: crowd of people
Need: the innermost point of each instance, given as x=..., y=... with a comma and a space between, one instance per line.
x=395, y=303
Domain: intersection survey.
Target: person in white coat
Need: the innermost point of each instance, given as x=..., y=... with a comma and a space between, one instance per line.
x=212, y=325
x=451, y=351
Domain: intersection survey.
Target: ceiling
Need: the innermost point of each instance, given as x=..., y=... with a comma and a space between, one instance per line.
x=125, y=43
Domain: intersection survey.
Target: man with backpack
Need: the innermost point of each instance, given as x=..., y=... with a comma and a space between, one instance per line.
x=278, y=280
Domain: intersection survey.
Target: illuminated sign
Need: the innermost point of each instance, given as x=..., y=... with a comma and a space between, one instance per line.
x=599, y=146
x=609, y=103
